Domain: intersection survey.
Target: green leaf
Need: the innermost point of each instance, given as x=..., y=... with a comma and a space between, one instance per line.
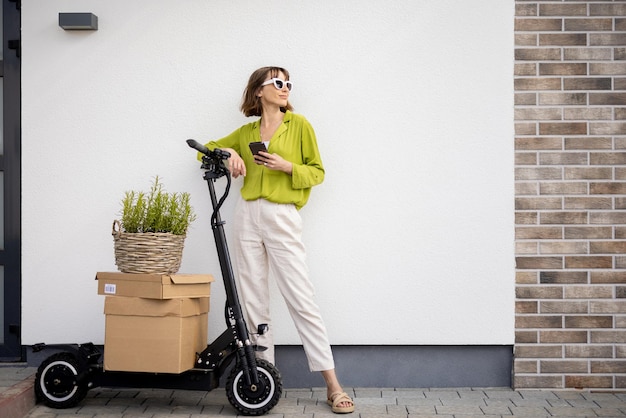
x=156, y=211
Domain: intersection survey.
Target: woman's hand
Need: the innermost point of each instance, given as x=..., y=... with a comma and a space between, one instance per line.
x=273, y=162
x=235, y=163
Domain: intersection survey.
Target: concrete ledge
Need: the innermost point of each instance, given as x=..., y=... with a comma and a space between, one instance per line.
x=18, y=400
x=404, y=366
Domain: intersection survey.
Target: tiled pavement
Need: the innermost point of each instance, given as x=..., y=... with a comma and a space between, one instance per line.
x=16, y=382
x=408, y=403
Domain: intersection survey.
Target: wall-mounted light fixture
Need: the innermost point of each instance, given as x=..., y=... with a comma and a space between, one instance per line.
x=78, y=21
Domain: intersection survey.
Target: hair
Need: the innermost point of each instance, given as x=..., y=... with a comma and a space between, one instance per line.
x=251, y=103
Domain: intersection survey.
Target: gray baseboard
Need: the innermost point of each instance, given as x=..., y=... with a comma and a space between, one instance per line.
x=404, y=366
x=392, y=366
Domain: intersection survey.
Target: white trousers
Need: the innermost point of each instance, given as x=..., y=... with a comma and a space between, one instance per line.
x=268, y=239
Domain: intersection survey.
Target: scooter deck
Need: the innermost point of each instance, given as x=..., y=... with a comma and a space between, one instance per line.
x=194, y=379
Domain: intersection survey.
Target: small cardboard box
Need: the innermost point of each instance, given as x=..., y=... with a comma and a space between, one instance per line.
x=154, y=286
x=156, y=336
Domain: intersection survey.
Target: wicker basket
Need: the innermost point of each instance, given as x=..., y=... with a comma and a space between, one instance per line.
x=147, y=252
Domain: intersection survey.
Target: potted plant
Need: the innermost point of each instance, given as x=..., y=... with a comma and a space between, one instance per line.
x=150, y=236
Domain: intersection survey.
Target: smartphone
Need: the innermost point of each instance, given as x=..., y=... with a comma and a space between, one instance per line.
x=255, y=147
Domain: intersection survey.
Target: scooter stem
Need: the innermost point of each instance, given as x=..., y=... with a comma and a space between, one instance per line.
x=244, y=346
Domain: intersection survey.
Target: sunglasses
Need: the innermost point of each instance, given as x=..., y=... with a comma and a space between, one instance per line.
x=278, y=83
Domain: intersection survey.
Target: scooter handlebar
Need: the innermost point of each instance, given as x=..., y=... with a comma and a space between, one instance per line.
x=216, y=153
x=198, y=146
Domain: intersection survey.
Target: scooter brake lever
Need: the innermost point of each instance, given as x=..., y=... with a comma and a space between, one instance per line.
x=221, y=154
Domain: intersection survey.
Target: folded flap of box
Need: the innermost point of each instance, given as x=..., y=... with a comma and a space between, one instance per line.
x=162, y=278
x=136, y=277
x=191, y=278
x=130, y=306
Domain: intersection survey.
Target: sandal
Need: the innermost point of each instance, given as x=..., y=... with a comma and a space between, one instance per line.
x=340, y=397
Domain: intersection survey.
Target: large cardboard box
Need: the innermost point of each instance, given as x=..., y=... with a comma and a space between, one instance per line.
x=151, y=335
x=154, y=286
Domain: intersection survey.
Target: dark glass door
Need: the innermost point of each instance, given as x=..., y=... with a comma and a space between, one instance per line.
x=10, y=167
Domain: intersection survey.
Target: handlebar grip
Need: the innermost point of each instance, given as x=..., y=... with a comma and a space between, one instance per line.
x=198, y=146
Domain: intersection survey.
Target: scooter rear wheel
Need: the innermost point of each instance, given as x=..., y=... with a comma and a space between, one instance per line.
x=259, y=399
x=56, y=383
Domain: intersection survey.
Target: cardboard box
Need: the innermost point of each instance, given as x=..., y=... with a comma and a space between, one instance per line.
x=154, y=286
x=150, y=335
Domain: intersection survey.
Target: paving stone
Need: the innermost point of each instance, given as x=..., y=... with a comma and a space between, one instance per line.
x=502, y=394
x=387, y=415
x=467, y=402
x=594, y=396
x=530, y=411
x=375, y=401
x=409, y=392
x=579, y=403
x=442, y=394
x=569, y=395
x=459, y=410
x=609, y=412
x=562, y=402
x=499, y=402
x=419, y=401
x=534, y=402
x=187, y=409
x=421, y=410
x=304, y=402
x=397, y=409
x=135, y=411
x=571, y=412
x=534, y=394
x=496, y=410
x=367, y=393
x=431, y=416
x=297, y=394
x=285, y=408
x=369, y=409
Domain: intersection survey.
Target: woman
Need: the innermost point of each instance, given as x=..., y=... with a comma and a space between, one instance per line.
x=267, y=225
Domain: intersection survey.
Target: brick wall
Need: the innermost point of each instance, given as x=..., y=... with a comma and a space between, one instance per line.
x=570, y=205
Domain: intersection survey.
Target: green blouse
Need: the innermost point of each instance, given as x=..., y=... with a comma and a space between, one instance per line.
x=295, y=141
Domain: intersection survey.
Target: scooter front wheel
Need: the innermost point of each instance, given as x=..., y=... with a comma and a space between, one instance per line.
x=56, y=381
x=256, y=399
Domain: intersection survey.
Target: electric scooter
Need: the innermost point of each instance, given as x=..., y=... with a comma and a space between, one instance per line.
x=253, y=387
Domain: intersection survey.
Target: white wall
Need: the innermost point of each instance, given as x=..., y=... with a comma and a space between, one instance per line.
x=410, y=238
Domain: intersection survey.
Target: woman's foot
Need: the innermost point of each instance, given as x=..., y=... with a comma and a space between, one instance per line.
x=340, y=403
